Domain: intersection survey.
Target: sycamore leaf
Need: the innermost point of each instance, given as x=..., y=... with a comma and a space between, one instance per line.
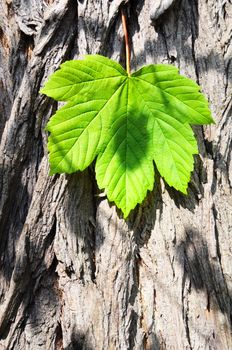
x=125, y=123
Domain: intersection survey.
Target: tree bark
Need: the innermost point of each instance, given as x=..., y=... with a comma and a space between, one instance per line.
x=73, y=273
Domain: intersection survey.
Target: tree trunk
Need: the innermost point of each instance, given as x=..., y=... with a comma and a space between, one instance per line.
x=73, y=273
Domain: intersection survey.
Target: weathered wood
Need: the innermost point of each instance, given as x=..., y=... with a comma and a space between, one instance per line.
x=73, y=273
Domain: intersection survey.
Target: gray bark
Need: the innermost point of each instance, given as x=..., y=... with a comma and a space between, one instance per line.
x=73, y=273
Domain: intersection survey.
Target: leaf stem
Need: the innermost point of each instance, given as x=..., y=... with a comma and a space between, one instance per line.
x=124, y=25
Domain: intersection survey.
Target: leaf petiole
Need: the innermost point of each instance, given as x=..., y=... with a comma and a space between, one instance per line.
x=124, y=25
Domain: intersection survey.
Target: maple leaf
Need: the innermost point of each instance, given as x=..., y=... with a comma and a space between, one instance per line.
x=125, y=122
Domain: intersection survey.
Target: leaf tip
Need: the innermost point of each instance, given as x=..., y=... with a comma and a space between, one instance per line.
x=42, y=91
x=213, y=122
x=126, y=213
x=51, y=172
x=184, y=191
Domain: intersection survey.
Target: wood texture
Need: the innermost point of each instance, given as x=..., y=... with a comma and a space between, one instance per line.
x=73, y=273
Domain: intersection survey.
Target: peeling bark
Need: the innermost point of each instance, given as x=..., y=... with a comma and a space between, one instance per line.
x=73, y=273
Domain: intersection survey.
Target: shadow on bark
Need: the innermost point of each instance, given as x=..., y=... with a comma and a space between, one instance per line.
x=25, y=292
x=79, y=341
x=142, y=218
x=197, y=264
x=80, y=191
x=14, y=210
x=204, y=272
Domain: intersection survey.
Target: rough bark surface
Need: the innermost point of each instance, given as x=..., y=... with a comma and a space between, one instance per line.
x=73, y=273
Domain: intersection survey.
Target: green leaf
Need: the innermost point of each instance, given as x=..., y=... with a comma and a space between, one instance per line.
x=125, y=168
x=85, y=77
x=125, y=123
